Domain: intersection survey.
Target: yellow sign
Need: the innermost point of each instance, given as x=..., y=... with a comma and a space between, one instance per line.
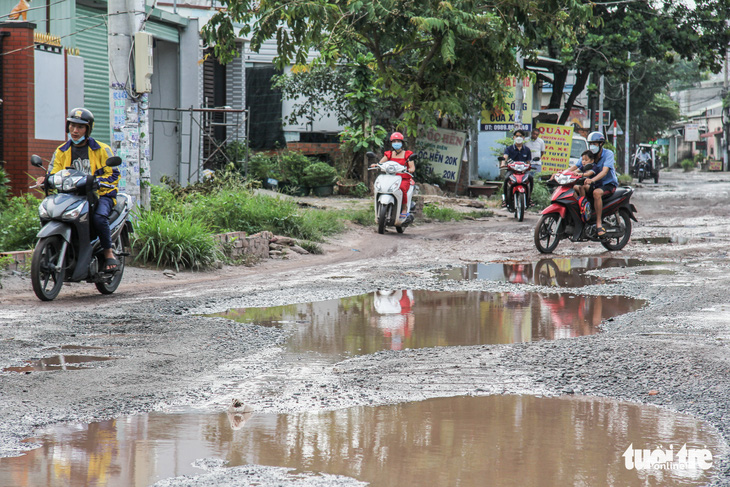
x=558, y=140
x=504, y=119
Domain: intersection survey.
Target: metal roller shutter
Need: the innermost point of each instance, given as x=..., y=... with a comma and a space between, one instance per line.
x=92, y=43
x=163, y=32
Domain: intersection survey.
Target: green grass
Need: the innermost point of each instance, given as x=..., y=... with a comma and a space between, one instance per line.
x=432, y=211
x=168, y=240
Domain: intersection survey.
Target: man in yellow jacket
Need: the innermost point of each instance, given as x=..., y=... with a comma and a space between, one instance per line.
x=89, y=156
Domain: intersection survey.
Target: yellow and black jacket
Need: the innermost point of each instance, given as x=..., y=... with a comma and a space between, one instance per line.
x=107, y=177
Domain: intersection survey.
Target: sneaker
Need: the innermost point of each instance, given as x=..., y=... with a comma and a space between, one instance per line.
x=504, y=204
x=404, y=215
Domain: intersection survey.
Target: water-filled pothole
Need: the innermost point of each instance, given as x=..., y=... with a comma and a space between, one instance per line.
x=393, y=320
x=58, y=362
x=555, y=272
x=510, y=440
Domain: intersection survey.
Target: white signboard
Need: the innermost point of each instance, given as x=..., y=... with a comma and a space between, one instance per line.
x=441, y=149
x=692, y=132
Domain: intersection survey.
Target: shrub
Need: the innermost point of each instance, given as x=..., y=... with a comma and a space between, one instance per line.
x=4, y=188
x=293, y=166
x=319, y=174
x=625, y=179
x=261, y=167
x=19, y=223
x=360, y=190
x=181, y=241
x=687, y=164
x=541, y=195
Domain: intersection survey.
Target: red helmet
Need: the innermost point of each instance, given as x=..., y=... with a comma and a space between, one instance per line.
x=396, y=136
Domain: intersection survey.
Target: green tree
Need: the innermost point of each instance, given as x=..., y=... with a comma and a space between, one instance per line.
x=647, y=29
x=430, y=56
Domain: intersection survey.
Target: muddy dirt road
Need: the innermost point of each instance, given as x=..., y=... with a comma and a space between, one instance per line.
x=670, y=352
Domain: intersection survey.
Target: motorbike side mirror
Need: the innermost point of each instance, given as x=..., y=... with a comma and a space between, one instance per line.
x=500, y=158
x=412, y=157
x=114, y=161
x=371, y=155
x=535, y=159
x=587, y=167
x=36, y=161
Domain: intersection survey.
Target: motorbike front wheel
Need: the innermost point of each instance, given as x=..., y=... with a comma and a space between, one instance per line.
x=46, y=278
x=520, y=205
x=113, y=284
x=620, y=220
x=547, y=233
x=641, y=176
x=382, y=217
x=656, y=176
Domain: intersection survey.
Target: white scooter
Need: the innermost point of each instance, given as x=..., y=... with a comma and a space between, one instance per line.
x=389, y=197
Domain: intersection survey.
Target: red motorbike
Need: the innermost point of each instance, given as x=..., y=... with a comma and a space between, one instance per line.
x=519, y=186
x=562, y=219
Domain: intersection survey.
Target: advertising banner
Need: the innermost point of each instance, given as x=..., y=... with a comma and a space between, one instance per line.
x=558, y=140
x=504, y=120
x=692, y=132
x=441, y=150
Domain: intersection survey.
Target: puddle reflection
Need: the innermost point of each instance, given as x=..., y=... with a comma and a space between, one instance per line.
x=401, y=319
x=58, y=362
x=545, y=272
x=510, y=440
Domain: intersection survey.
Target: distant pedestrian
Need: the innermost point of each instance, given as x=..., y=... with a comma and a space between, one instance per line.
x=537, y=148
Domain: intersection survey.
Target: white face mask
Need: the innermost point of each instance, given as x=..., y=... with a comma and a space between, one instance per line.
x=519, y=140
x=594, y=148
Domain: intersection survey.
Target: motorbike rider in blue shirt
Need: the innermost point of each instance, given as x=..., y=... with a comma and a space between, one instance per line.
x=517, y=152
x=604, y=180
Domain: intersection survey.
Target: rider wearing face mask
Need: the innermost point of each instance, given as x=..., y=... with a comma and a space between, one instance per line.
x=603, y=181
x=89, y=156
x=400, y=155
x=517, y=152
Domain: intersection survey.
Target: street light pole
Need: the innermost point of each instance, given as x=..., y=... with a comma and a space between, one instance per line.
x=626, y=129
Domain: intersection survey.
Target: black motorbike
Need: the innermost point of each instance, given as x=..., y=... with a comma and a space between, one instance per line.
x=644, y=170
x=68, y=249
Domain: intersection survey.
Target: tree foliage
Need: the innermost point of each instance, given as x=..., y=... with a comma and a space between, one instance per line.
x=430, y=56
x=660, y=30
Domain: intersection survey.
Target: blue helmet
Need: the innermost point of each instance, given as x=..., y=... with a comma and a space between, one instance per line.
x=596, y=137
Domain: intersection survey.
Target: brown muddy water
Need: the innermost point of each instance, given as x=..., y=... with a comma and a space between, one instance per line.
x=400, y=319
x=467, y=441
x=58, y=362
x=554, y=272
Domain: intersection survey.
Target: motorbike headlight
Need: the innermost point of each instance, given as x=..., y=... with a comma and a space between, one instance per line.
x=563, y=179
x=42, y=211
x=391, y=169
x=57, y=180
x=73, y=212
x=377, y=186
x=68, y=184
x=393, y=187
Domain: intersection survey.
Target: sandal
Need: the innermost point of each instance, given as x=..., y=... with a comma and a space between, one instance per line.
x=601, y=232
x=111, y=266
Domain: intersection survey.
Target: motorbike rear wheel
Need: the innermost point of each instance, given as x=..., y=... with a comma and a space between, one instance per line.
x=520, y=205
x=547, y=233
x=617, y=220
x=47, y=281
x=113, y=284
x=382, y=217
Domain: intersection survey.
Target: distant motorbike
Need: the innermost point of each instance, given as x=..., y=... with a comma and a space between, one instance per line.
x=562, y=219
x=66, y=249
x=644, y=171
x=519, y=185
x=389, y=197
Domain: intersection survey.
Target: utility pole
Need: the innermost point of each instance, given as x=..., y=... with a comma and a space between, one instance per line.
x=626, y=129
x=129, y=120
x=600, y=105
x=725, y=119
x=519, y=93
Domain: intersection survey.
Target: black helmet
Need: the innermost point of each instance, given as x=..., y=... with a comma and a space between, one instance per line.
x=81, y=116
x=596, y=137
